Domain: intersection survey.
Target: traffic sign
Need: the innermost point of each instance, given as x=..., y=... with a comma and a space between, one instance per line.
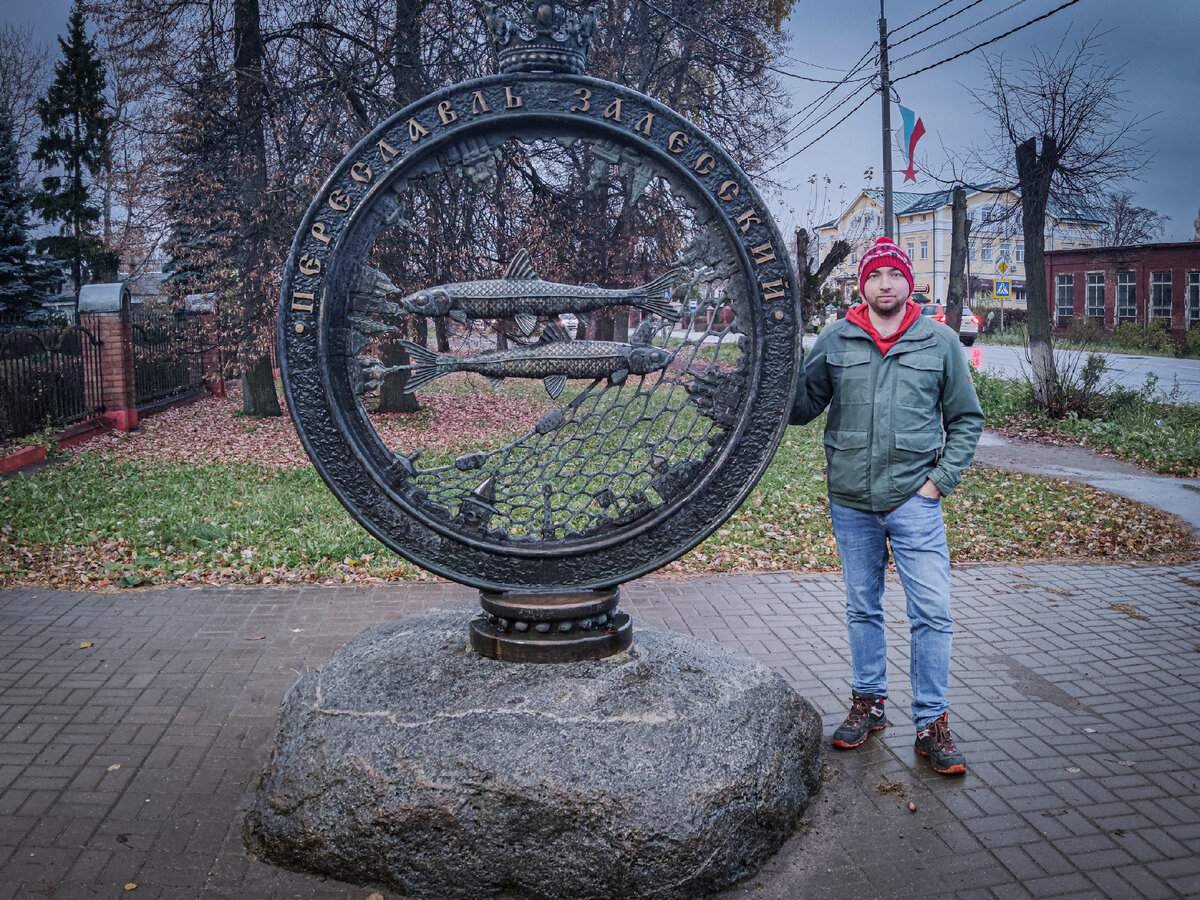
x=1002, y=267
x=1001, y=288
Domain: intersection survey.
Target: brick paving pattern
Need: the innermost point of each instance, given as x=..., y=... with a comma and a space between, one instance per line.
x=1075, y=693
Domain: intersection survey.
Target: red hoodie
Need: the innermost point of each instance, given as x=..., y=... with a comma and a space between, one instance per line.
x=860, y=315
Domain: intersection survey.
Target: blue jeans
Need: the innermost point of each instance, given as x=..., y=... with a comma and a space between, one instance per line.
x=918, y=539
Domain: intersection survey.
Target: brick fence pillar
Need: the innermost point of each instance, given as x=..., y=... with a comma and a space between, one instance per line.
x=107, y=306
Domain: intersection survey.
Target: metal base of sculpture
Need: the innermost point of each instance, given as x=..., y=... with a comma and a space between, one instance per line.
x=548, y=627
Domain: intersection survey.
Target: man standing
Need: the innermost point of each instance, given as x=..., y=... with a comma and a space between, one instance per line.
x=903, y=424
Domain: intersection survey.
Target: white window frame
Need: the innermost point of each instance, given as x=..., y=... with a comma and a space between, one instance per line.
x=1020, y=251
x=1126, y=306
x=1193, y=298
x=1064, y=299
x=911, y=249
x=985, y=252
x=1157, y=290
x=1090, y=307
x=974, y=245
x=925, y=249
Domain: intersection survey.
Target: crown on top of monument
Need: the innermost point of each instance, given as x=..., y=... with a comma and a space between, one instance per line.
x=548, y=39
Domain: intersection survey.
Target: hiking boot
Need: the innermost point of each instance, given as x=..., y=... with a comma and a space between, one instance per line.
x=936, y=742
x=866, y=715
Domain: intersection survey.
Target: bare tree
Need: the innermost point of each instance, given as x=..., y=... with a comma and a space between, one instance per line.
x=1062, y=136
x=312, y=76
x=24, y=76
x=959, y=236
x=1126, y=224
x=809, y=283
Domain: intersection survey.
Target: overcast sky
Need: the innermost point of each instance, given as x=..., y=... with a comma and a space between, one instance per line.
x=1156, y=41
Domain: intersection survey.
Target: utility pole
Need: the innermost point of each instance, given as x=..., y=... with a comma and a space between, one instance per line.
x=885, y=95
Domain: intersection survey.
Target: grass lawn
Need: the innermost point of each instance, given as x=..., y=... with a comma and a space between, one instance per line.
x=161, y=507
x=1139, y=426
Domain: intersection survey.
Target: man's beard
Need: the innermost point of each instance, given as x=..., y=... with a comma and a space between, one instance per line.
x=886, y=305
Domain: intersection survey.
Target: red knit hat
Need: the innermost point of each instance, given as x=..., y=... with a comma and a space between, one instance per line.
x=884, y=253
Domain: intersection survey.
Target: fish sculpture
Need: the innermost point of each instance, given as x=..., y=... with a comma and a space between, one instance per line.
x=522, y=296
x=554, y=359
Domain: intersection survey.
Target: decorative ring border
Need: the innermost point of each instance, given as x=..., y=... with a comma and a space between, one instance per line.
x=417, y=133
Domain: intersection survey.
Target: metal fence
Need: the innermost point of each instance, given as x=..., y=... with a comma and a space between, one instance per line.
x=50, y=376
x=167, y=344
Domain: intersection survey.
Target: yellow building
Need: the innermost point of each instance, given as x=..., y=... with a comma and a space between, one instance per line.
x=923, y=232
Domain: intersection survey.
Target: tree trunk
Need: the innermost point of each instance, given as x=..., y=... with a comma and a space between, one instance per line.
x=406, y=82
x=621, y=323
x=441, y=332
x=258, y=390
x=1035, y=190
x=602, y=325
x=258, y=394
x=392, y=397
x=808, y=283
x=803, y=272
x=958, y=260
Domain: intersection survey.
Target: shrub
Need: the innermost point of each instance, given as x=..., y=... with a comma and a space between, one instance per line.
x=1003, y=398
x=1191, y=342
x=1086, y=332
x=1154, y=338
x=1013, y=318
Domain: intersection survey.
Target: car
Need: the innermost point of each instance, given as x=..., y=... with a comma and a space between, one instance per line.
x=968, y=329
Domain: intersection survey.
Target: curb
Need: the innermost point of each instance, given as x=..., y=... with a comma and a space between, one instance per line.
x=27, y=456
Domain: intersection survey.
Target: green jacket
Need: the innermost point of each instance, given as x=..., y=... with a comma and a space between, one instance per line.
x=895, y=420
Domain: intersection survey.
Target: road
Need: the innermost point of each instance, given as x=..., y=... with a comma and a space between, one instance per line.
x=1123, y=369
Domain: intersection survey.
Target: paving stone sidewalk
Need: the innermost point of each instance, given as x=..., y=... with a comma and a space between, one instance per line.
x=1076, y=694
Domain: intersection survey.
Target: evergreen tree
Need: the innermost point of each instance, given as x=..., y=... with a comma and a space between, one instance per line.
x=75, y=136
x=199, y=187
x=24, y=280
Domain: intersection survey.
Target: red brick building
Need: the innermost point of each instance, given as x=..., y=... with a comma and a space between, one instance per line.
x=1114, y=285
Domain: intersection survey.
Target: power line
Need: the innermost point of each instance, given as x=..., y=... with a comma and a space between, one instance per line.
x=813, y=124
x=801, y=127
x=858, y=66
x=998, y=37
x=856, y=108
x=734, y=53
x=928, y=12
x=934, y=25
x=960, y=31
x=804, y=62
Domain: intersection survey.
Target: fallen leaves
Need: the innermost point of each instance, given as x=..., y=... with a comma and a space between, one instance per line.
x=144, y=512
x=1128, y=609
x=86, y=645
x=212, y=431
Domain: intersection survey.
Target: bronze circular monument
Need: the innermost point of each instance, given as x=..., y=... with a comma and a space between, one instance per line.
x=629, y=451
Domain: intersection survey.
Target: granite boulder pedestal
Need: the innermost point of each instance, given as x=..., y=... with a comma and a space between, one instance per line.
x=672, y=770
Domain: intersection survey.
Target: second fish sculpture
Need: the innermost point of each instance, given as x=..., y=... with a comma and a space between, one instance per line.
x=554, y=359
x=522, y=296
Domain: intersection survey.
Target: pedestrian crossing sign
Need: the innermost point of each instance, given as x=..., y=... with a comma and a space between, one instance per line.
x=1001, y=288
